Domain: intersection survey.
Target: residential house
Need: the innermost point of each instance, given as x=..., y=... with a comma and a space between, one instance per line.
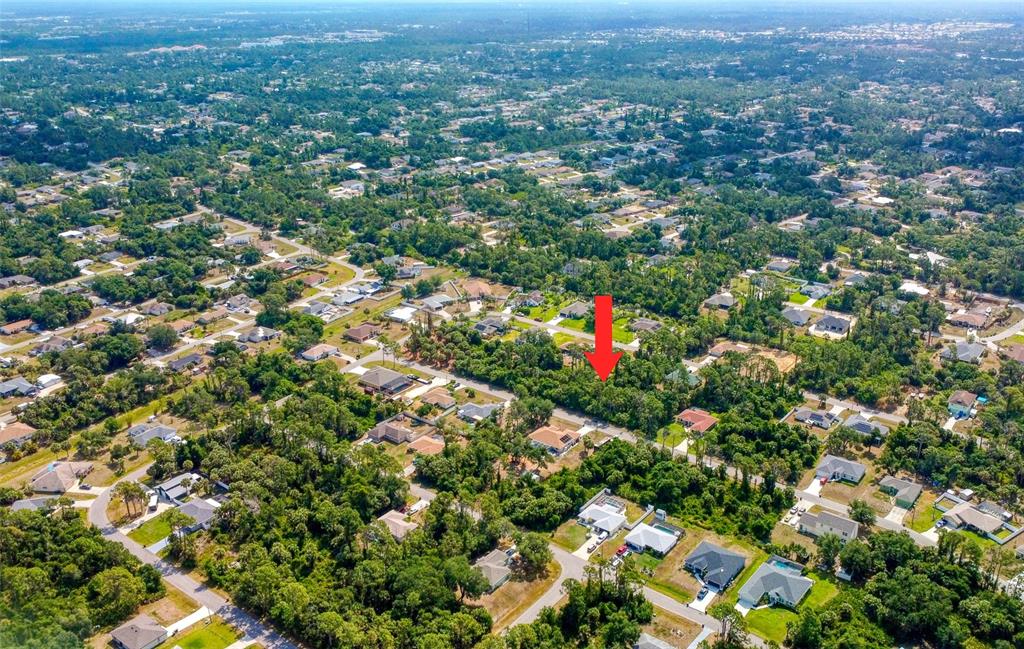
x=779, y=265
x=181, y=327
x=17, y=386
x=607, y=516
x=777, y=582
x=427, y=445
x=60, y=477
x=402, y=314
x=362, y=333
x=474, y=412
x=819, y=418
x=905, y=492
x=260, y=335
x=865, y=426
x=816, y=291
x=961, y=404
x=140, y=632
x=319, y=352
x=555, y=440
x=531, y=299
x=142, y=434
x=200, y=511
x=40, y=503
x=16, y=433
x=439, y=397
x=495, y=568
x=437, y=302
x=966, y=352
x=12, y=328
x=54, y=344
x=658, y=539
x=833, y=325
x=188, y=361
x=576, y=310
x=833, y=467
x=212, y=316
x=968, y=319
x=644, y=325
x=828, y=523
x=490, y=326
x=175, y=490
x=396, y=430
x=714, y=565
x=398, y=524
x=796, y=317
x=723, y=301
x=696, y=420
x=157, y=309
x=964, y=515
x=381, y=380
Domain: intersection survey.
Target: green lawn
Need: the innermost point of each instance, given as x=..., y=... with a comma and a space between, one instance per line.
x=570, y=535
x=922, y=521
x=544, y=313
x=152, y=530
x=770, y=623
x=215, y=635
x=620, y=333
x=671, y=435
x=798, y=298
x=560, y=338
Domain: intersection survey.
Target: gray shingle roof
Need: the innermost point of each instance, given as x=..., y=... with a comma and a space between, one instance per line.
x=775, y=583
x=717, y=565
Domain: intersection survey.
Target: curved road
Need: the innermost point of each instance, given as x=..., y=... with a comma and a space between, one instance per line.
x=254, y=629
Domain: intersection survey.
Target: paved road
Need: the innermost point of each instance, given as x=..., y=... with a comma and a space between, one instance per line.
x=255, y=629
x=573, y=567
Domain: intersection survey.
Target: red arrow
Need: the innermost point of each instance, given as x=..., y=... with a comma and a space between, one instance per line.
x=603, y=359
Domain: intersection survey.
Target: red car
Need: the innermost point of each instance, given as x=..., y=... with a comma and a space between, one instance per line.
x=622, y=550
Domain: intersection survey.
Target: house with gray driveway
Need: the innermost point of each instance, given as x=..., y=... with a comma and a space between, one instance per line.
x=140, y=632
x=833, y=467
x=714, y=565
x=776, y=582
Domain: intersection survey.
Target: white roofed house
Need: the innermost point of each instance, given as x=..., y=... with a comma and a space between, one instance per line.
x=141, y=632
x=832, y=467
x=495, y=567
x=658, y=539
x=59, y=477
x=604, y=516
x=829, y=523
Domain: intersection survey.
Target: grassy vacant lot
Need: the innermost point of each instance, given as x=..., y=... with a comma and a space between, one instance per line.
x=923, y=516
x=570, y=535
x=171, y=607
x=513, y=597
x=152, y=530
x=213, y=635
x=673, y=629
x=770, y=623
x=544, y=313
x=798, y=298
x=671, y=435
x=620, y=333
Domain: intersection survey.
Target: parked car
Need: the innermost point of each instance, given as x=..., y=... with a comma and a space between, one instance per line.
x=702, y=593
x=622, y=550
x=592, y=547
